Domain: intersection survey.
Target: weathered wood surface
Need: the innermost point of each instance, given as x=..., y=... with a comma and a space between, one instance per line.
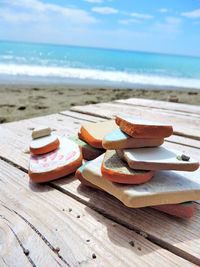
x=167, y=106
x=174, y=138
x=40, y=221
x=15, y=137
x=183, y=141
x=179, y=236
x=80, y=116
x=11, y=253
x=184, y=125
x=21, y=244
x=182, y=237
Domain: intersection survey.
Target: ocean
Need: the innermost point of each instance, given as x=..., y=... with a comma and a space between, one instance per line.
x=47, y=63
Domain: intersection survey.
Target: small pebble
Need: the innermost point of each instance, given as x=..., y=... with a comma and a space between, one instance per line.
x=132, y=243
x=27, y=152
x=185, y=158
x=192, y=93
x=178, y=157
x=41, y=132
x=94, y=256
x=78, y=216
x=63, y=209
x=139, y=248
x=88, y=240
x=57, y=249
x=173, y=98
x=26, y=251
x=114, y=224
x=22, y=108
x=70, y=209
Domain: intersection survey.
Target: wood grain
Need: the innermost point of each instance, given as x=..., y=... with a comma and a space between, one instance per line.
x=173, y=138
x=183, y=140
x=111, y=110
x=15, y=137
x=180, y=236
x=40, y=217
x=11, y=253
x=21, y=243
x=168, y=106
x=80, y=116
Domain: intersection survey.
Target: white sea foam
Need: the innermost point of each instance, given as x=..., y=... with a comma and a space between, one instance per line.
x=98, y=75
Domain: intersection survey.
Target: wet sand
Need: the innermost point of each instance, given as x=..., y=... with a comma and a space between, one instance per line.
x=19, y=102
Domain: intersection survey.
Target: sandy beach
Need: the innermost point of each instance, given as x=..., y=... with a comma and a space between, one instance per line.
x=19, y=102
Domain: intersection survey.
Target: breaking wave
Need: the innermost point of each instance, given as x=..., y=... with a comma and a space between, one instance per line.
x=97, y=75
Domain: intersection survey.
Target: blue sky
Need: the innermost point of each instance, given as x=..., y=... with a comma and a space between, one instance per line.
x=165, y=26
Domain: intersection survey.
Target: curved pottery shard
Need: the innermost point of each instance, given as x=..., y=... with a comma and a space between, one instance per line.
x=140, y=128
x=165, y=187
x=62, y=161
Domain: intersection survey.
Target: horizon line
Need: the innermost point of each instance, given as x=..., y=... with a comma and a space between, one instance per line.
x=103, y=48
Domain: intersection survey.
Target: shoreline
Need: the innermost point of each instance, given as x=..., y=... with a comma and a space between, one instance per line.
x=93, y=83
x=22, y=101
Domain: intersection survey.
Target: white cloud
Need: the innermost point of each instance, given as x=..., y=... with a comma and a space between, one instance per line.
x=192, y=14
x=171, y=27
x=141, y=16
x=71, y=14
x=173, y=20
x=163, y=10
x=105, y=10
x=16, y=17
x=128, y=21
x=94, y=1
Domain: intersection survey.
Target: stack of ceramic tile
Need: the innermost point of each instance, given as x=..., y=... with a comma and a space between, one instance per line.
x=52, y=156
x=137, y=170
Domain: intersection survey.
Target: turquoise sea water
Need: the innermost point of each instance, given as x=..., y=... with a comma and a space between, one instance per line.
x=26, y=62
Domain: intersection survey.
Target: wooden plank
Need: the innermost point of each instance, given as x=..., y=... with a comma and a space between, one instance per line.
x=193, y=109
x=183, y=141
x=174, y=138
x=15, y=137
x=12, y=150
x=116, y=108
x=160, y=110
x=80, y=116
x=62, y=125
x=45, y=213
x=111, y=110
